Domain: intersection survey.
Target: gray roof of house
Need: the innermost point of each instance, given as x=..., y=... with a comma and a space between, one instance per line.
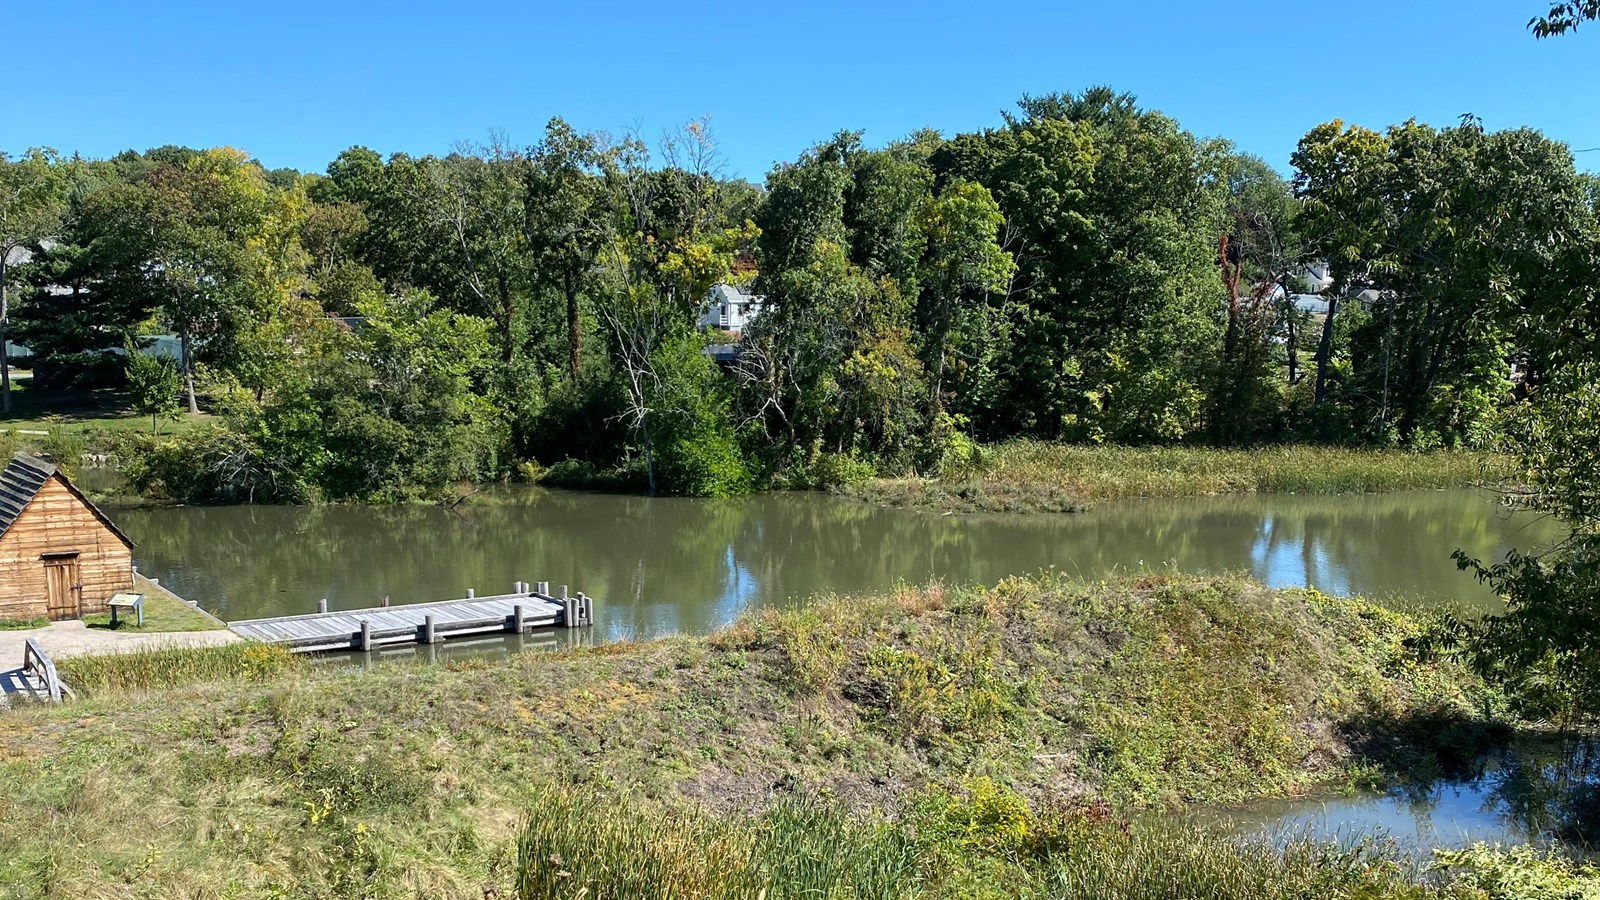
x=21, y=481
x=732, y=294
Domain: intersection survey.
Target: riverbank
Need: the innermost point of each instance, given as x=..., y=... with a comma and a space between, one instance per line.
x=1037, y=476
x=1001, y=722
x=1018, y=476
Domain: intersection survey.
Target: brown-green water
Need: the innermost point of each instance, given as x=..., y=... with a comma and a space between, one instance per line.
x=673, y=565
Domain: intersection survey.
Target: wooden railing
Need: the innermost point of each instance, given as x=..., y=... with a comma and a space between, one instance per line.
x=36, y=661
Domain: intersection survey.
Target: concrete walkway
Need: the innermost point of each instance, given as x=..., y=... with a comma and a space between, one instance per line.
x=73, y=638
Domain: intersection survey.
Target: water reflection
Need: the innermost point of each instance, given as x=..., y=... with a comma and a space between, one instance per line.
x=675, y=565
x=484, y=647
x=1543, y=793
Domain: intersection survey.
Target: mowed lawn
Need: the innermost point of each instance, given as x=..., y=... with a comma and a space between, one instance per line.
x=78, y=411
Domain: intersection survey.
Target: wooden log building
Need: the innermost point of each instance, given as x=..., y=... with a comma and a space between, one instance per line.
x=60, y=556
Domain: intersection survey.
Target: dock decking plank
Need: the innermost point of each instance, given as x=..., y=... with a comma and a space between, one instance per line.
x=403, y=623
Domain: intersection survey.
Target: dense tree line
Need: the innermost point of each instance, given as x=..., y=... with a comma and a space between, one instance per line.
x=1085, y=270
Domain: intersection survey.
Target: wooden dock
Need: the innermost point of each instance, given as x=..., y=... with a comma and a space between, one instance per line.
x=527, y=608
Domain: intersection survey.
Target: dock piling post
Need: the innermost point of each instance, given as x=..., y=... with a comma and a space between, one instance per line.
x=322, y=605
x=385, y=600
x=366, y=636
x=428, y=634
x=518, y=620
x=544, y=588
x=585, y=610
x=470, y=593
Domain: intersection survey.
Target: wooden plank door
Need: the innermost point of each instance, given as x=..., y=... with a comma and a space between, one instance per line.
x=65, y=591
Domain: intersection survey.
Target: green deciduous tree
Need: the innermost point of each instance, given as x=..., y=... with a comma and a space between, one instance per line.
x=1545, y=646
x=476, y=198
x=1452, y=232
x=1113, y=213
x=566, y=221
x=664, y=252
x=211, y=245
x=153, y=385
x=962, y=267
x=393, y=409
x=829, y=366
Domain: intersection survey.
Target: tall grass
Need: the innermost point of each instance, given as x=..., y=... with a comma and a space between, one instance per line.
x=579, y=844
x=1050, y=477
x=1163, y=862
x=144, y=670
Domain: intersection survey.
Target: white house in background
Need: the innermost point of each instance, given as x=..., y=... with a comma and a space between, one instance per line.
x=1314, y=278
x=1313, y=281
x=729, y=308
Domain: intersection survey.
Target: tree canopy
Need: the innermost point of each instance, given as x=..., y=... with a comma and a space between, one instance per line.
x=1084, y=269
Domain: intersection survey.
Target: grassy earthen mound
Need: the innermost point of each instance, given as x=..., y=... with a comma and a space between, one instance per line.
x=1063, y=695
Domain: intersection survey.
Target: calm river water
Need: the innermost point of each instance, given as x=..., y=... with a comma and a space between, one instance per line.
x=675, y=565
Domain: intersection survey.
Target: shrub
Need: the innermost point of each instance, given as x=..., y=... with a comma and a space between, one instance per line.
x=209, y=465
x=65, y=448
x=1519, y=873
x=984, y=816
x=836, y=470
x=699, y=457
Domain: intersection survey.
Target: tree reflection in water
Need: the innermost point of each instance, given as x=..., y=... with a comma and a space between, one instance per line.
x=675, y=565
x=1536, y=790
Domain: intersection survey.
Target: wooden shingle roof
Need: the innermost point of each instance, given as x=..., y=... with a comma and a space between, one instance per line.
x=23, y=478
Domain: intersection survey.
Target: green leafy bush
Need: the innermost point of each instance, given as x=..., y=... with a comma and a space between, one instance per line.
x=1519, y=873
x=837, y=470
x=209, y=465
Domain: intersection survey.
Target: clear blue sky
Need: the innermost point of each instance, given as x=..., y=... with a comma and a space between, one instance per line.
x=296, y=82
